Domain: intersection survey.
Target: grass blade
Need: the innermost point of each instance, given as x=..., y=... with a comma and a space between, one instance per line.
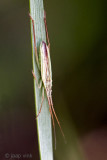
x=44, y=120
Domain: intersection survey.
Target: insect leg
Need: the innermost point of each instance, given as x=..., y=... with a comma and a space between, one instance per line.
x=47, y=36
x=41, y=103
x=38, y=84
x=53, y=124
x=57, y=120
x=34, y=40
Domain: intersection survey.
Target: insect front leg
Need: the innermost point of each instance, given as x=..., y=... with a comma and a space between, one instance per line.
x=38, y=84
x=36, y=54
x=41, y=103
x=47, y=36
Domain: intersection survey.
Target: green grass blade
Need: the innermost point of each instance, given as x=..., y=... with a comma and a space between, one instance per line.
x=44, y=127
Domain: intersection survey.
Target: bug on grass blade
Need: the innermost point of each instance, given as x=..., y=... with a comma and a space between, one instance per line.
x=44, y=65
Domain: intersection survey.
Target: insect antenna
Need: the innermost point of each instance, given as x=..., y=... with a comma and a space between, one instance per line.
x=47, y=36
x=34, y=39
x=57, y=120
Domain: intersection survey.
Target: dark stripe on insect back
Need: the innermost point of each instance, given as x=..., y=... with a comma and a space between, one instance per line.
x=45, y=48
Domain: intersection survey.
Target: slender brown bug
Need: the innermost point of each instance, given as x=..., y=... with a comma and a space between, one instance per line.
x=44, y=65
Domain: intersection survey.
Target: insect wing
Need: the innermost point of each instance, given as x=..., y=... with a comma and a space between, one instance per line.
x=46, y=72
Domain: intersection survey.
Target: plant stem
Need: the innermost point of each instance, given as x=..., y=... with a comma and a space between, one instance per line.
x=44, y=127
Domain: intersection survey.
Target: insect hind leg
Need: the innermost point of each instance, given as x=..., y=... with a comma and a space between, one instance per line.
x=57, y=120
x=50, y=109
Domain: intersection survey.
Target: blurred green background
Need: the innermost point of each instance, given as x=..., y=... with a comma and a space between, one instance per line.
x=77, y=31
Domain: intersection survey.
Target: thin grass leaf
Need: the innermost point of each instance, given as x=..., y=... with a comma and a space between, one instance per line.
x=44, y=127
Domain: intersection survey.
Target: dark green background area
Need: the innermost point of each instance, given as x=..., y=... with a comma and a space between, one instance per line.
x=77, y=31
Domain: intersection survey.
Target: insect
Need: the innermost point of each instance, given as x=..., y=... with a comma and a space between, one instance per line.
x=44, y=65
